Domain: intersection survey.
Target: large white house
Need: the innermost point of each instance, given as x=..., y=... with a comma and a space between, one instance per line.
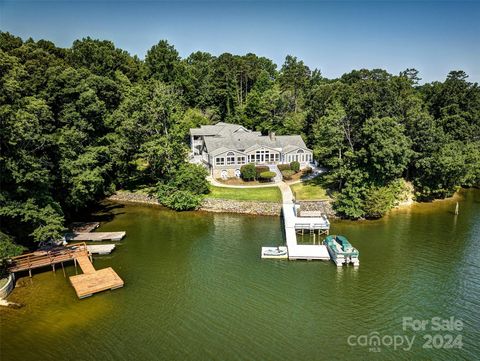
x=225, y=147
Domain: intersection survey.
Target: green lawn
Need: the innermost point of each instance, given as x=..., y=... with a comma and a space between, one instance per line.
x=267, y=194
x=309, y=191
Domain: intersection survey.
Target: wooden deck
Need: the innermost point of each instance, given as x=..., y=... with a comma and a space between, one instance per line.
x=95, y=236
x=87, y=284
x=29, y=261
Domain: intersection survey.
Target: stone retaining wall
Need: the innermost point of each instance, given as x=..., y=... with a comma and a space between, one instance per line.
x=322, y=207
x=231, y=206
x=247, y=207
x=209, y=204
x=8, y=287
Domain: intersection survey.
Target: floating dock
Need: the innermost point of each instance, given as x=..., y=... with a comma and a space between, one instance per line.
x=93, y=281
x=100, y=249
x=95, y=236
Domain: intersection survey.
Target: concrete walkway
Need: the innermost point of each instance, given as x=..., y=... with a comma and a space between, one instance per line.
x=287, y=194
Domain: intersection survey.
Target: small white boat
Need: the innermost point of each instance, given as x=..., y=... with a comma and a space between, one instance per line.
x=274, y=252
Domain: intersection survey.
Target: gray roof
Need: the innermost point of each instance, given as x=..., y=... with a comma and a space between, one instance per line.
x=242, y=141
x=220, y=129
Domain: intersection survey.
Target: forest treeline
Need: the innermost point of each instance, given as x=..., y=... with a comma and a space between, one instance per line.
x=78, y=123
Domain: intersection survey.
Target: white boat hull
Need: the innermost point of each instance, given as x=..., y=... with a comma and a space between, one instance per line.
x=341, y=260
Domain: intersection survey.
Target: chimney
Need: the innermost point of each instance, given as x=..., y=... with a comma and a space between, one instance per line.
x=272, y=136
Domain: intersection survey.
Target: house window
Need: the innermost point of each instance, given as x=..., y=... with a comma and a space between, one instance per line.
x=230, y=158
x=277, y=157
x=219, y=161
x=240, y=160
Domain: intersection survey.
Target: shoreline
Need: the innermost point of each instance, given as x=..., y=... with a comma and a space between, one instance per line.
x=216, y=205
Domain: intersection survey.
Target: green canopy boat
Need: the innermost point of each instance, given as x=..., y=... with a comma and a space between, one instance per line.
x=341, y=251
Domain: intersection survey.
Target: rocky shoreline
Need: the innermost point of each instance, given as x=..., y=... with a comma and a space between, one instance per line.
x=227, y=205
x=244, y=207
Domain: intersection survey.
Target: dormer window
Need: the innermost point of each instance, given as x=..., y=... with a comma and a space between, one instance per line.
x=230, y=158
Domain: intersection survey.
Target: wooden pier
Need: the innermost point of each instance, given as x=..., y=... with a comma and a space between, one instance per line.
x=52, y=257
x=86, y=284
x=95, y=236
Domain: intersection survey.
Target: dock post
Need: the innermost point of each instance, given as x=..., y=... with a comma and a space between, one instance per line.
x=53, y=267
x=30, y=272
x=75, y=262
x=63, y=269
x=456, y=209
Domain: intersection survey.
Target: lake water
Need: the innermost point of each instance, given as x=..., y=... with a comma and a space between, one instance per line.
x=196, y=289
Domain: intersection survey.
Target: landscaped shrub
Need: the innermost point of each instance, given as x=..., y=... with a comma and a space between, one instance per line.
x=260, y=169
x=267, y=176
x=190, y=177
x=288, y=174
x=282, y=167
x=181, y=200
x=295, y=166
x=248, y=172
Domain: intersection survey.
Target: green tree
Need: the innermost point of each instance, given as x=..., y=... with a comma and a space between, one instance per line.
x=386, y=149
x=163, y=62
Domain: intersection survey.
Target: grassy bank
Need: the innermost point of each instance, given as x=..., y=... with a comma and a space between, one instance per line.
x=309, y=191
x=266, y=194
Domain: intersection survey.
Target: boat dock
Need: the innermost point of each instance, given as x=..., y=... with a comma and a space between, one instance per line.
x=95, y=236
x=100, y=249
x=93, y=281
x=86, y=284
x=294, y=224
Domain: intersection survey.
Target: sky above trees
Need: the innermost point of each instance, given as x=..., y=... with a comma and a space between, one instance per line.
x=433, y=37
